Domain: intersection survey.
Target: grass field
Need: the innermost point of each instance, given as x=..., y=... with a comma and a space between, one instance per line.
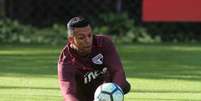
x=156, y=72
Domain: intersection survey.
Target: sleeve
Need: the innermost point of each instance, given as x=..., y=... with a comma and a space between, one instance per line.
x=66, y=76
x=113, y=62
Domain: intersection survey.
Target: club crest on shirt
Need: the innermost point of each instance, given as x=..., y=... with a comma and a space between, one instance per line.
x=98, y=59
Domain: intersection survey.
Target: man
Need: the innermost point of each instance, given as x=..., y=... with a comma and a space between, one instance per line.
x=86, y=62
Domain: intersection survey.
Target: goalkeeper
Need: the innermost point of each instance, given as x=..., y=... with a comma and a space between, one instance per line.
x=87, y=61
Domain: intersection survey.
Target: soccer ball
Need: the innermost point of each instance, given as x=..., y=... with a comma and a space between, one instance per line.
x=108, y=92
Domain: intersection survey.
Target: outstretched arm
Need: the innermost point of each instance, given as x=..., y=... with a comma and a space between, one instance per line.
x=67, y=82
x=114, y=65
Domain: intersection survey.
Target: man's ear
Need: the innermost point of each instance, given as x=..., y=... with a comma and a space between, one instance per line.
x=70, y=39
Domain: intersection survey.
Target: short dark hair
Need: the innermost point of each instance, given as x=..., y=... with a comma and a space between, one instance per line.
x=76, y=22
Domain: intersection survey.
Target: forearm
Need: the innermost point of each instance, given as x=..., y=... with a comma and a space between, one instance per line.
x=68, y=91
x=119, y=78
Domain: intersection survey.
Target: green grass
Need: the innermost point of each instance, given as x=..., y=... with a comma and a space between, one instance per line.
x=156, y=72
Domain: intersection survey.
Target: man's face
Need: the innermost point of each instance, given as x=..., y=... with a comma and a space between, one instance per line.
x=82, y=39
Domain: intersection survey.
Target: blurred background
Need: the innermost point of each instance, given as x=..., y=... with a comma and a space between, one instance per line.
x=131, y=20
x=158, y=41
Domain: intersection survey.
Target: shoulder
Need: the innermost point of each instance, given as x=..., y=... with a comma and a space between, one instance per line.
x=103, y=39
x=65, y=63
x=65, y=56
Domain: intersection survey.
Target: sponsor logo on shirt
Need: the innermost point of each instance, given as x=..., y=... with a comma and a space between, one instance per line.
x=98, y=59
x=89, y=76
